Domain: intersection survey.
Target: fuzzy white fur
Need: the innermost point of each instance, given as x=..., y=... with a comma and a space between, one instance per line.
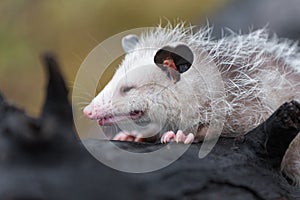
x=246, y=77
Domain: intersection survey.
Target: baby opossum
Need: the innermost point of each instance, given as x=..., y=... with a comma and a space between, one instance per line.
x=172, y=79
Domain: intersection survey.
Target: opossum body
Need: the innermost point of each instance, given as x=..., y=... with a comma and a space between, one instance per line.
x=174, y=81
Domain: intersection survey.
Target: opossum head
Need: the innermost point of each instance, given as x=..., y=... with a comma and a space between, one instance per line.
x=143, y=93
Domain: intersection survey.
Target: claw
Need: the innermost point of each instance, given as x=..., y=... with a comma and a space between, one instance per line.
x=189, y=138
x=167, y=137
x=180, y=137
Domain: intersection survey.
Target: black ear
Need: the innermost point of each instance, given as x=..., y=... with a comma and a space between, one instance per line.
x=174, y=60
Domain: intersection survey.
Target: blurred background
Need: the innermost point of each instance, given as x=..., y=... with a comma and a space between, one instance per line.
x=72, y=28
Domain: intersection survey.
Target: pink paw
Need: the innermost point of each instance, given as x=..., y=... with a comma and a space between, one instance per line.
x=178, y=137
x=126, y=136
x=186, y=139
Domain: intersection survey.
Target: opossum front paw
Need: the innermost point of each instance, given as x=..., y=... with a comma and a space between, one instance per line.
x=126, y=136
x=179, y=137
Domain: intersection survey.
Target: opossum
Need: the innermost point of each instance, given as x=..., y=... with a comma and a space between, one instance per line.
x=174, y=80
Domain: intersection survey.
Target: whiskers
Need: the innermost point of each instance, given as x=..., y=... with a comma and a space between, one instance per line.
x=82, y=97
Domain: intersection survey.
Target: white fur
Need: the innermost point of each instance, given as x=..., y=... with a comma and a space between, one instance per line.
x=259, y=74
x=248, y=53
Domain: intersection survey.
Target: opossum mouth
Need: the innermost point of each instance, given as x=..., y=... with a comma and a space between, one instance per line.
x=113, y=119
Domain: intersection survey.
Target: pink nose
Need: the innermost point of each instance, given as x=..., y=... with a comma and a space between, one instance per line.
x=88, y=111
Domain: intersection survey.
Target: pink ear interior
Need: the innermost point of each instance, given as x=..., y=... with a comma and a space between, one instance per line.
x=179, y=58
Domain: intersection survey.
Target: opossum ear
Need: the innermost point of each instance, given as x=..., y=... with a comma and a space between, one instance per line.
x=129, y=42
x=174, y=60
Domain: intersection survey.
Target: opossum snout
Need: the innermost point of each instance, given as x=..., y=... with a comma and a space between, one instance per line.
x=89, y=111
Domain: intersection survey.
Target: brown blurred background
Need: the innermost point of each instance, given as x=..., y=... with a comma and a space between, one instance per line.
x=71, y=29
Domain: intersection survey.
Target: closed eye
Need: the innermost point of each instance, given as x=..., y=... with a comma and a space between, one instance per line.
x=126, y=89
